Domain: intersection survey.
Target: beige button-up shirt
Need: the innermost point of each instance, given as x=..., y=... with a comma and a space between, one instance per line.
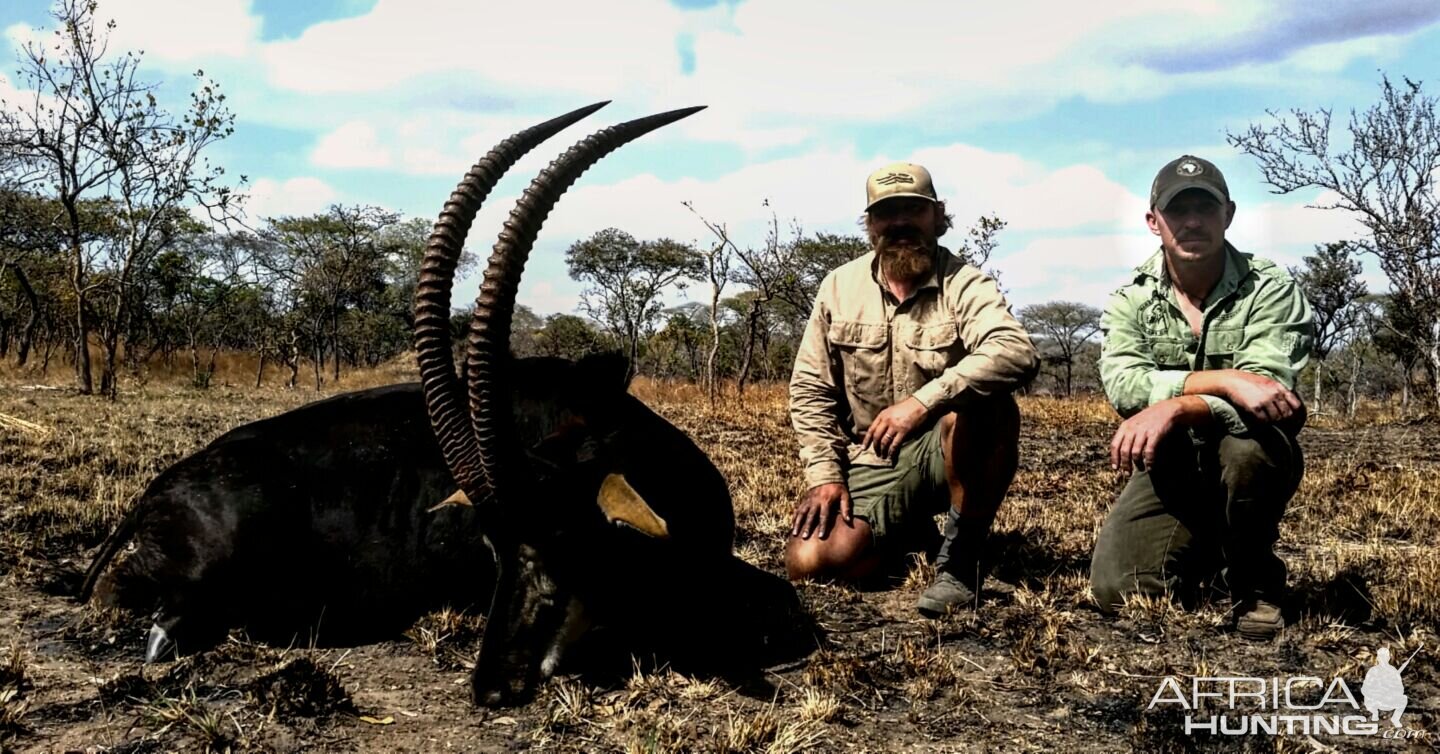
x=865, y=351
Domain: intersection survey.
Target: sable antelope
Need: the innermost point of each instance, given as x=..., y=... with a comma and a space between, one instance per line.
x=588, y=507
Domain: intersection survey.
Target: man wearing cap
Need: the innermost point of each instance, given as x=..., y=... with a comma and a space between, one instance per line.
x=1201, y=351
x=901, y=401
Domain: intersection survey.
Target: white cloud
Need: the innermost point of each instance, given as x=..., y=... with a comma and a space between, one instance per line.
x=426, y=87
x=1292, y=226
x=1244, y=32
x=1024, y=193
x=296, y=196
x=595, y=49
x=15, y=99
x=20, y=35
x=1337, y=56
x=182, y=33
x=187, y=32
x=841, y=63
x=1072, y=268
x=352, y=145
x=776, y=74
x=543, y=297
x=1087, y=268
x=824, y=188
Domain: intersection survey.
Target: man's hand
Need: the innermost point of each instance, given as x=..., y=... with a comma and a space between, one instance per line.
x=1138, y=436
x=818, y=506
x=892, y=425
x=1261, y=397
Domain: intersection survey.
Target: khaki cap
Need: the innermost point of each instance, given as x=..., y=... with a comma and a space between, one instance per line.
x=1187, y=172
x=898, y=179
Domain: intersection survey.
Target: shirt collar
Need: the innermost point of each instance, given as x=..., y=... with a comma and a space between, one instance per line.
x=1236, y=268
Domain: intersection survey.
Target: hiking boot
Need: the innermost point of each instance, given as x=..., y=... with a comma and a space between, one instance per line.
x=959, y=554
x=1260, y=621
x=946, y=593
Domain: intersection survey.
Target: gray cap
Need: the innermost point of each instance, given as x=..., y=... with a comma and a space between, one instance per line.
x=1187, y=172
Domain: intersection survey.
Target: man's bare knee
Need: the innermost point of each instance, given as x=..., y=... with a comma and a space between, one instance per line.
x=844, y=555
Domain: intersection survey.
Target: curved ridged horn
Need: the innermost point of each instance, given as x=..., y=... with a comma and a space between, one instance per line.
x=490, y=328
x=444, y=397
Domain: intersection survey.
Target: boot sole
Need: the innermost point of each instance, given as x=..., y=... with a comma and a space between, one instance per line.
x=1260, y=632
x=933, y=608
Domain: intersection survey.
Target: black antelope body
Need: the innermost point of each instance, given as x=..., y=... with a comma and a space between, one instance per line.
x=579, y=507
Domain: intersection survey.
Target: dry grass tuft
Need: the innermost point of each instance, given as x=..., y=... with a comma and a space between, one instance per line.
x=750, y=732
x=449, y=637
x=820, y=706
x=837, y=672
x=196, y=717
x=13, y=670
x=14, y=682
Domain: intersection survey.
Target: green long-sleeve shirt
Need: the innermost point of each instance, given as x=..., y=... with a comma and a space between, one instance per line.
x=1256, y=319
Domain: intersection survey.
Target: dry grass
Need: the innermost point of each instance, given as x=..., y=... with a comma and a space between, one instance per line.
x=1037, y=668
x=449, y=637
x=14, y=682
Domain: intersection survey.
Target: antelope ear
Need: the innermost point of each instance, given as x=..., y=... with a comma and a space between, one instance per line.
x=621, y=503
x=459, y=498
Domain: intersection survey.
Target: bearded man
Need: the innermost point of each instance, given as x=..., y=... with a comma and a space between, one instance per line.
x=901, y=401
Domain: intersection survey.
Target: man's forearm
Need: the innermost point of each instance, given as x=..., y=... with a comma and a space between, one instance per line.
x=1225, y=391
x=1192, y=411
x=1214, y=382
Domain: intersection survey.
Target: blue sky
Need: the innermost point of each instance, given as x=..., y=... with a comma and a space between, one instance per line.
x=1053, y=115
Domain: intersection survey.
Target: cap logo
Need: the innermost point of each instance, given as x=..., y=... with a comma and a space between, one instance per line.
x=893, y=178
x=1189, y=168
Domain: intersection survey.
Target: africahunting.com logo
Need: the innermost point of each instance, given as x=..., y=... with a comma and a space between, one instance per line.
x=1244, y=706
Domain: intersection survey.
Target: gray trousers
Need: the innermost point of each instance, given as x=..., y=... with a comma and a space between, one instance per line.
x=1204, y=507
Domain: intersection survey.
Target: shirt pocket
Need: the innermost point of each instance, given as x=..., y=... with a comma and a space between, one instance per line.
x=863, y=353
x=1169, y=353
x=935, y=347
x=1221, y=344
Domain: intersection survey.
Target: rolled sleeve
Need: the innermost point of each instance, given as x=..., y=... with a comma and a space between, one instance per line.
x=1000, y=358
x=1165, y=385
x=941, y=389
x=816, y=402
x=1226, y=416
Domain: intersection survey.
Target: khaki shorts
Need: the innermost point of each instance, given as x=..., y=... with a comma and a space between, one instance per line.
x=900, y=502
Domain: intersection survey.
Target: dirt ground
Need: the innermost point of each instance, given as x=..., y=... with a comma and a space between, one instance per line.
x=1037, y=668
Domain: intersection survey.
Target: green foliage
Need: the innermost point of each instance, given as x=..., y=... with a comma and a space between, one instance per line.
x=335, y=268
x=1331, y=281
x=626, y=278
x=1061, y=330
x=980, y=241
x=811, y=259
x=571, y=337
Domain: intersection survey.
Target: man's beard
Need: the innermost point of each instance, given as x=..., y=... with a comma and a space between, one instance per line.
x=906, y=255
